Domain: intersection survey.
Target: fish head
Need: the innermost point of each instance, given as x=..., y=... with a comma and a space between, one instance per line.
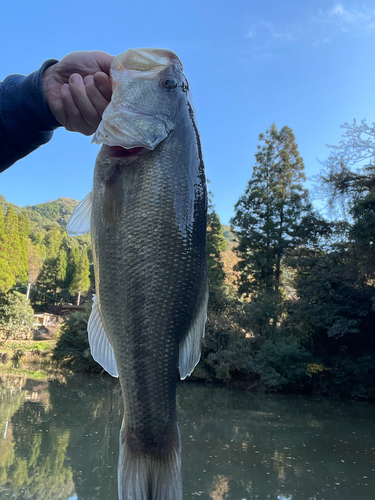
x=146, y=84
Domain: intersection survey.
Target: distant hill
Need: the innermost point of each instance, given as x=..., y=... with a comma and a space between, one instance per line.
x=45, y=215
x=57, y=211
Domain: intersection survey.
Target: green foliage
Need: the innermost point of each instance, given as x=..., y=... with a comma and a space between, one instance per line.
x=6, y=275
x=14, y=243
x=281, y=364
x=226, y=352
x=15, y=313
x=215, y=244
x=81, y=278
x=24, y=230
x=270, y=213
x=73, y=349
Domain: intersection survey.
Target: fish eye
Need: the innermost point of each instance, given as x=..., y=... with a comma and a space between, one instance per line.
x=169, y=83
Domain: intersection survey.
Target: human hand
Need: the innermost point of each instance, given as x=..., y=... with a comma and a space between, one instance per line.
x=77, y=89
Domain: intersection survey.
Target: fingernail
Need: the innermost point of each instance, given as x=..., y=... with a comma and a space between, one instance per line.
x=74, y=79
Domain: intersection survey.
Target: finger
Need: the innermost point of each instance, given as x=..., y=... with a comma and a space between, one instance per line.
x=82, y=101
x=95, y=96
x=103, y=60
x=103, y=83
x=73, y=121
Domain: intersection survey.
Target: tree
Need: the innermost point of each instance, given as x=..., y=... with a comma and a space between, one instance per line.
x=215, y=244
x=81, y=278
x=15, y=313
x=270, y=214
x=6, y=276
x=14, y=243
x=23, y=229
x=61, y=266
x=349, y=171
x=52, y=241
x=35, y=261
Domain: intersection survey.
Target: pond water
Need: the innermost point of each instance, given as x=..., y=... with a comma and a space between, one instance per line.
x=59, y=441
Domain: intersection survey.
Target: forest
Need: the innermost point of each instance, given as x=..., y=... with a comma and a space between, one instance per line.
x=292, y=290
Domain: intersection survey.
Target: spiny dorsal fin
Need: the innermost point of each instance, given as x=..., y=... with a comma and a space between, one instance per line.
x=112, y=198
x=101, y=348
x=190, y=347
x=80, y=221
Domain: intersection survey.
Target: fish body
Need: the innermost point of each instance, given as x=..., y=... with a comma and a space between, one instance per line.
x=147, y=216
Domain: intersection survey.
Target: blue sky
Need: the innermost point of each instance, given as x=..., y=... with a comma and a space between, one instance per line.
x=250, y=63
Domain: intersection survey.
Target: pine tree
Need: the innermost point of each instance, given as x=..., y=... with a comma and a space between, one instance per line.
x=6, y=277
x=81, y=279
x=270, y=213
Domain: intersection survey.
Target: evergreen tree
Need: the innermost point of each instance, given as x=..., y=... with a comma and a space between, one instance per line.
x=73, y=261
x=6, y=276
x=61, y=266
x=47, y=280
x=35, y=261
x=270, y=214
x=81, y=278
x=52, y=241
x=23, y=226
x=215, y=244
x=14, y=246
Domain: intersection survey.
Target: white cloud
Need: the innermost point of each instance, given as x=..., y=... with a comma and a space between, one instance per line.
x=325, y=27
x=348, y=17
x=283, y=35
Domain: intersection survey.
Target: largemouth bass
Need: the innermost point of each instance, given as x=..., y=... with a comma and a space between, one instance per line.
x=147, y=217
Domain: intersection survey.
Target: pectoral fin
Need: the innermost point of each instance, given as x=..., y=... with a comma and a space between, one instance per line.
x=190, y=347
x=112, y=198
x=101, y=348
x=80, y=221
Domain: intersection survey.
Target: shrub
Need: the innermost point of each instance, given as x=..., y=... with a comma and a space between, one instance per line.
x=16, y=314
x=73, y=348
x=281, y=365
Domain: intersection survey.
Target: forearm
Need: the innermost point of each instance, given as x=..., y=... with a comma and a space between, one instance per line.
x=25, y=119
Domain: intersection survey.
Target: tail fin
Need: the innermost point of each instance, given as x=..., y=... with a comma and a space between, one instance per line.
x=149, y=476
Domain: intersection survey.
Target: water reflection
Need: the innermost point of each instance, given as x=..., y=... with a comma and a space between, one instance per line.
x=59, y=440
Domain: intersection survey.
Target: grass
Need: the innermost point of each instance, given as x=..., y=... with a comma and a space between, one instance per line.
x=40, y=346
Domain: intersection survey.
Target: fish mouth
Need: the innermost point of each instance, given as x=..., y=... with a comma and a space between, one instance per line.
x=120, y=152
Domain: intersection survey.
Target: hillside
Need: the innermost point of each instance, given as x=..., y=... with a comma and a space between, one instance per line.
x=56, y=213
x=45, y=215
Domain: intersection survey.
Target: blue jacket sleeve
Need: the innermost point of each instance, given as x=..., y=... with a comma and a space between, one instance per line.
x=25, y=119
